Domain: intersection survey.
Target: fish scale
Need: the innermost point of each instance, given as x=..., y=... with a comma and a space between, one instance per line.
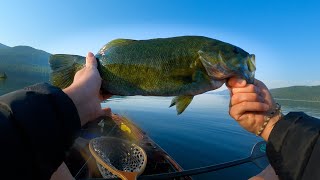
x=182, y=66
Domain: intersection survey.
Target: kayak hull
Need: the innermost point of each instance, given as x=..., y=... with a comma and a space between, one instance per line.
x=82, y=165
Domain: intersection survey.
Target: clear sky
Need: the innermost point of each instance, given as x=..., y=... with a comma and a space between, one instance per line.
x=284, y=35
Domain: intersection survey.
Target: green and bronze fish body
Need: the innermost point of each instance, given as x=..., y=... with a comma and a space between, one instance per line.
x=180, y=66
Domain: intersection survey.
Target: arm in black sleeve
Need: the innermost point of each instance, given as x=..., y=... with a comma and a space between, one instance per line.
x=38, y=125
x=293, y=147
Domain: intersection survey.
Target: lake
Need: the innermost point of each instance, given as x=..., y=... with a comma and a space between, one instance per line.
x=203, y=135
x=18, y=80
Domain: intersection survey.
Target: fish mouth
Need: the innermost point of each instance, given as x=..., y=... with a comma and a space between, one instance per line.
x=251, y=63
x=251, y=79
x=252, y=58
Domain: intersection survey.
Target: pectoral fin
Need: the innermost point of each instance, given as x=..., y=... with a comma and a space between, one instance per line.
x=181, y=103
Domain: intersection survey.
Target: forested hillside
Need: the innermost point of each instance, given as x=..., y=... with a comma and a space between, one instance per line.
x=23, y=66
x=306, y=93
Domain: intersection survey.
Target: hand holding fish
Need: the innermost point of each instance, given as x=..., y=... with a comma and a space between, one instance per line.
x=85, y=92
x=179, y=66
x=250, y=105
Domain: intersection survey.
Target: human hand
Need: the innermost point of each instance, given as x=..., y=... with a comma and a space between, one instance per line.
x=250, y=103
x=85, y=92
x=267, y=174
x=62, y=172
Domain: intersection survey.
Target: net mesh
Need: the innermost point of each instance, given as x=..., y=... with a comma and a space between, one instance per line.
x=118, y=155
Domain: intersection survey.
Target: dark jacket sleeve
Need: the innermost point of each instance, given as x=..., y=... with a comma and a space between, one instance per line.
x=293, y=147
x=38, y=125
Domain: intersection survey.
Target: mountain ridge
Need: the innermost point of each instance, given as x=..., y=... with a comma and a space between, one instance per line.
x=23, y=62
x=298, y=93
x=23, y=66
x=23, y=54
x=302, y=93
x=2, y=46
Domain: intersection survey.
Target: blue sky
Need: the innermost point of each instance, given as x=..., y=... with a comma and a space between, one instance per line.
x=284, y=35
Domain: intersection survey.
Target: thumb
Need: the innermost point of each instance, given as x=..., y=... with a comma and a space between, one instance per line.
x=236, y=82
x=256, y=178
x=91, y=60
x=106, y=112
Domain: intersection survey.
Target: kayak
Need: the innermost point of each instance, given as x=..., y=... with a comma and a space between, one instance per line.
x=160, y=165
x=83, y=166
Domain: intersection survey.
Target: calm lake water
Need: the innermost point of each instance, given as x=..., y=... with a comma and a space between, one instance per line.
x=203, y=135
x=18, y=81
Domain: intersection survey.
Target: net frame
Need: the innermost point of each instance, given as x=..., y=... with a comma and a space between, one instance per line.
x=124, y=149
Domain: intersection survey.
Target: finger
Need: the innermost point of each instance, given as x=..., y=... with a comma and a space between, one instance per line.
x=238, y=110
x=245, y=97
x=249, y=88
x=91, y=60
x=256, y=178
x=261, y=86
x=259, y=83
x=105, y=112
x=236, y=82
x=104, y=96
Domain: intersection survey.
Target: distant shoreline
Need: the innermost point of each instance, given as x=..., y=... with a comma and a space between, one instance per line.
x=297, y=100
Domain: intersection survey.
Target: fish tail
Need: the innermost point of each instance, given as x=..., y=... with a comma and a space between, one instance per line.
x=63, y=68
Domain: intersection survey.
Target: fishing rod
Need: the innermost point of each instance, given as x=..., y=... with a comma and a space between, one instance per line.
x=257, y=156
x=258, y=152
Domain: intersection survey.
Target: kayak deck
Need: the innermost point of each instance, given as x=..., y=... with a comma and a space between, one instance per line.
x=82, y=165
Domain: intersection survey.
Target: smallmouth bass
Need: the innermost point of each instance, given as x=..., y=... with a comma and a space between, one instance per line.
x=182, y=66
